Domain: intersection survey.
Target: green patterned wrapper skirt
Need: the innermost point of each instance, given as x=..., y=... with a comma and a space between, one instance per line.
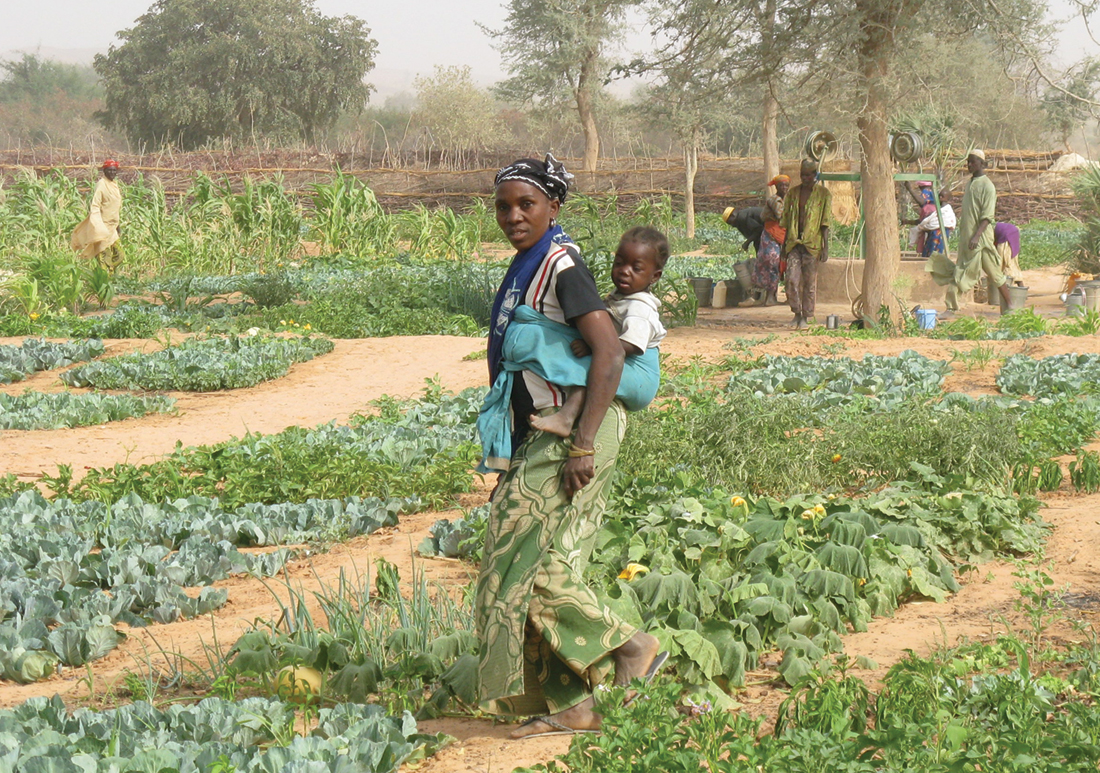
x=545, y=636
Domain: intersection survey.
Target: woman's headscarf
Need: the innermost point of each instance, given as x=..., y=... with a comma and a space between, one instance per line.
x=779, y=178
x=549, y=176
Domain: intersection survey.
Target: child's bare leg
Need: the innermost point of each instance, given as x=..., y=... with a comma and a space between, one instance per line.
x=561, y=423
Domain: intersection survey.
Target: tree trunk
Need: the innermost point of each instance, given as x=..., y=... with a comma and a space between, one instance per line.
x=691, y=167
x=880, y=207
x=770, y=136
x=770, y=129
x=585, y=94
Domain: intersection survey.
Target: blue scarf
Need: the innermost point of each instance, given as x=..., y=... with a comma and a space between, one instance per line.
x=513, y=288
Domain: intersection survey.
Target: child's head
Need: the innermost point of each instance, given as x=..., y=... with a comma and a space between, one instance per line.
x=640, y=260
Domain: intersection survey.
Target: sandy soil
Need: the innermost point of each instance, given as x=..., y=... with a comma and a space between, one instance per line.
x=336, y=385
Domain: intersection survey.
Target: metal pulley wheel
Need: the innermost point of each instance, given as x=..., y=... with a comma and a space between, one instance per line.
x=906, y=147
x=821, y=146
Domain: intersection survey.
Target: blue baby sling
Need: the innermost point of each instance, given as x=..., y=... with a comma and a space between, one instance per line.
x=537, y=343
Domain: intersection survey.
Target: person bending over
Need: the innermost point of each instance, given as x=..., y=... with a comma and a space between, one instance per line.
x=639, y=262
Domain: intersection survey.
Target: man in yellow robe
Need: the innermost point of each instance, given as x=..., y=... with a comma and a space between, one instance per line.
x=97, y=235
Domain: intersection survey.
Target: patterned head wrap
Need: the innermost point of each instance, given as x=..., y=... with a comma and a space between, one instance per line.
x=548, y=176
x=779, y=178
x=110, y=163
x=726, y=214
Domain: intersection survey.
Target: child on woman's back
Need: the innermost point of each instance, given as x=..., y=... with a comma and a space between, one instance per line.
x=639, y=262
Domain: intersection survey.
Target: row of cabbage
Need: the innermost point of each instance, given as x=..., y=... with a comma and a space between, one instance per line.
x=251, y=735
x=70, y=571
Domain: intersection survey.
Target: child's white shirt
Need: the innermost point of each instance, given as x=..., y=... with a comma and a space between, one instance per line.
x=637, y=318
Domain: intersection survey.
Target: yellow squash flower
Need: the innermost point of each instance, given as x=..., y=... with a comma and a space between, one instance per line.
x=632, y=571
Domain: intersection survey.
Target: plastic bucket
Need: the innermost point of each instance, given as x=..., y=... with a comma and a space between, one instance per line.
x=704, y=289
x=926, y=318
x=744, y=275
x=734, y=292
x=1017, y=298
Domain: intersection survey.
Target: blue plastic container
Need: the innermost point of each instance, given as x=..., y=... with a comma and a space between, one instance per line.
x=926, y=318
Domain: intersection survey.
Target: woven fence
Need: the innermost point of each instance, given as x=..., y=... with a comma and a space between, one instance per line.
x=1027, y=190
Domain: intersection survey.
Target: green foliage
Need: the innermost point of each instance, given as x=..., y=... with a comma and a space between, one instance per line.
x=1024, y=322
x=959, y=709
x=835, y=382
x=18, y=362
x=460, y=117
x=348, y=218
x=380, y=642
x=771, y=445
x=461, y=538
x=275, y=289
x=200, y=365
x=190, y=72
x=1084, y=471
x=1085, y=254
x=1047, y=243
x=655, y=733
x=421, y=448
x=39, y=410
x=731, y=577
x=75, y=570
x=1068, y=374
x=250, y=735
x=33, y=77
x=1084, y=324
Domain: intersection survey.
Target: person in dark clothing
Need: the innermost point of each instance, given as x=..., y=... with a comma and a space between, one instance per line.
x=749, y=221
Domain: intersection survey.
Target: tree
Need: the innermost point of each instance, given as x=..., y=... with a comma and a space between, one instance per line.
x=711, y=49
x=1066, y=106
x=459, y=117
x=555, y=51
x=191, y=71
x=49, y=103
x=32, y=77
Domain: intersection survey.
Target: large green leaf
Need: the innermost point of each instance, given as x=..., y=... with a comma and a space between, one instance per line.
x=356, y=681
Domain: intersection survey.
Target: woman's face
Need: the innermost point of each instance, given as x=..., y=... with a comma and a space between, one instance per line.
x=781, y=188
x=524, y=213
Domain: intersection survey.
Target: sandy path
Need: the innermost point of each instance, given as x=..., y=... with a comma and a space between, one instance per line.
x=336, y=385
x=327, y=388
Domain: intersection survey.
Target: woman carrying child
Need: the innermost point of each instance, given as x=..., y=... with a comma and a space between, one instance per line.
x=766, y=273
x=546, y=640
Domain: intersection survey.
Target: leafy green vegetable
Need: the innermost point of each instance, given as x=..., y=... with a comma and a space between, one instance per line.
x=200, y=365
x=40, y=410
x=253, y=734
x=18, y=362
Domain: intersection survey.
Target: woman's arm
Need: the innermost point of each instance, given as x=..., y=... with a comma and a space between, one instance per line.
x=603, y=380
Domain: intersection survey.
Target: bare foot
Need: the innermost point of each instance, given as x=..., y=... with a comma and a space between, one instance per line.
x=797, y=321
x=579, y=717
x=634, y=657
x=555, y=424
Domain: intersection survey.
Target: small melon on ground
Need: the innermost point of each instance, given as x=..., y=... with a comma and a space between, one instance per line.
x=299, y=684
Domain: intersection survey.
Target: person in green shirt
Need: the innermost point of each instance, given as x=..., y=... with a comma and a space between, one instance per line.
x=806, y=212
x=977, y=252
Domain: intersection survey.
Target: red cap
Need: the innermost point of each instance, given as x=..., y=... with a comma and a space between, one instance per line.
x=110, y=163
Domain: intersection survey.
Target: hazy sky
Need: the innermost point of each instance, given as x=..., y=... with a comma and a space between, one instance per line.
x=413, y=35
